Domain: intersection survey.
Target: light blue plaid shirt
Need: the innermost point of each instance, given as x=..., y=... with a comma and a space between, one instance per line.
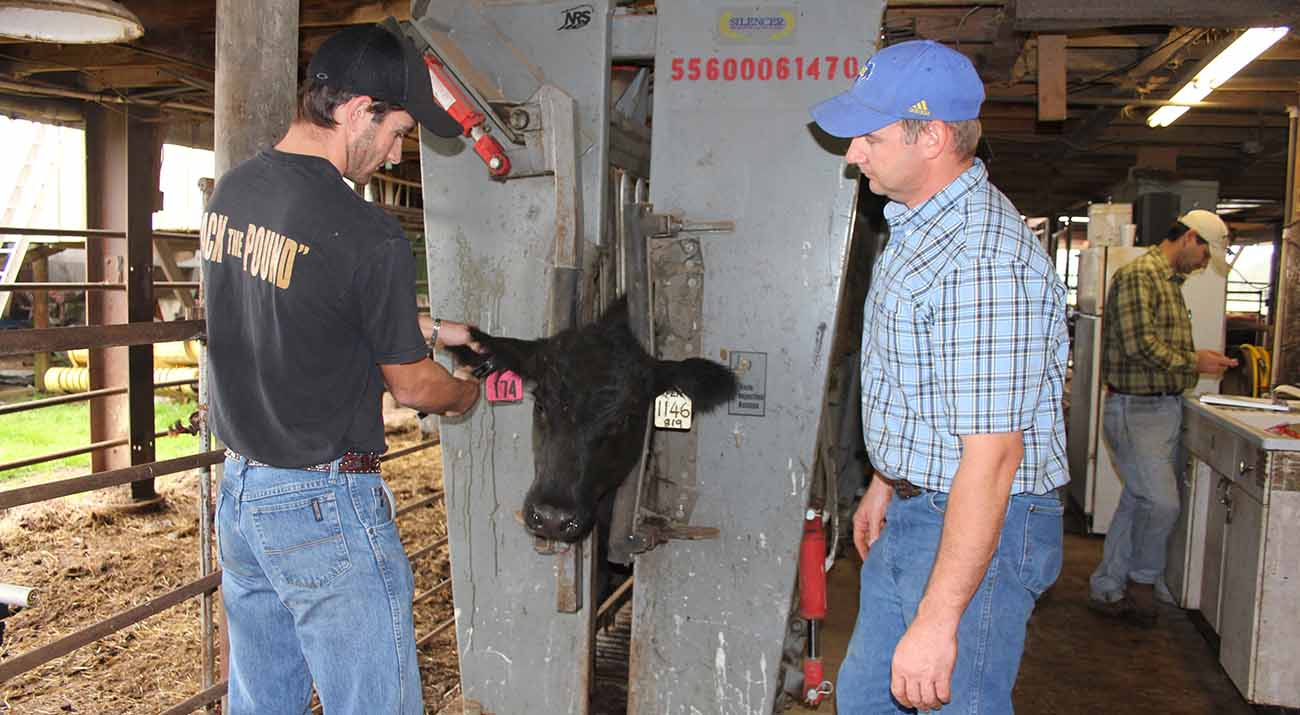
x=963, y=333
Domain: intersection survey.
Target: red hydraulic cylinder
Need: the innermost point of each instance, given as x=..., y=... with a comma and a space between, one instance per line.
x=812, y=605
x=450, y=98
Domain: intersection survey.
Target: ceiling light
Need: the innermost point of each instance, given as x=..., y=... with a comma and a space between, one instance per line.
x=68, y=21
x=1248, y=46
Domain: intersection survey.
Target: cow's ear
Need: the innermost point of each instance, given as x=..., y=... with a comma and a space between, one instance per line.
x=707, y=383
x=510, y=353
x=507, y=353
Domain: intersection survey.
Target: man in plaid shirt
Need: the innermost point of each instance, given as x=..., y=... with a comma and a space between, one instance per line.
x=964, y=349
x=1148, y=361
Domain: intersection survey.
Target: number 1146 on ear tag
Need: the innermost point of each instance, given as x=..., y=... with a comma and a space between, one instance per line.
x=673, y=411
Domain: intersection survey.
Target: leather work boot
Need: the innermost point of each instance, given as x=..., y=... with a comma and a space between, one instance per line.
x=1121, y=608
x=1143, y=596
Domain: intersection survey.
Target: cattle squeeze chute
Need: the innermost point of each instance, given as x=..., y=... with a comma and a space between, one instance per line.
x=727, y=226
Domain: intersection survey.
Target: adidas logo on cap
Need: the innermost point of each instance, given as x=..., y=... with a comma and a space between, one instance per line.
x=920, y=108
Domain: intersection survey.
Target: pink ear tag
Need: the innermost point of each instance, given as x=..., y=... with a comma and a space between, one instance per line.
x=504, y=386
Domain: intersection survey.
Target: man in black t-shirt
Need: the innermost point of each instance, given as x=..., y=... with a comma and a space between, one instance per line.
x=311, y=315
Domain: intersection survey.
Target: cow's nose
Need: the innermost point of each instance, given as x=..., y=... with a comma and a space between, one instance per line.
x=554, y=522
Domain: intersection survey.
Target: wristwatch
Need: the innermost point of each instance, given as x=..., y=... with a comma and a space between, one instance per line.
x=433, y=339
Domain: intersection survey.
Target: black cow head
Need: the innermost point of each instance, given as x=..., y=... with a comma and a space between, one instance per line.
x=592, y=388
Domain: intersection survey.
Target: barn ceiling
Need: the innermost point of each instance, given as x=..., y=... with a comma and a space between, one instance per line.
x=1121, y=58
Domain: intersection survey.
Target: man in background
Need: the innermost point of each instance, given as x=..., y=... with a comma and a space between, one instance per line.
x=1148, y=362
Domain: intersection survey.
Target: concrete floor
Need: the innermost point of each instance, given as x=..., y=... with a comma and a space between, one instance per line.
x=1077, y=661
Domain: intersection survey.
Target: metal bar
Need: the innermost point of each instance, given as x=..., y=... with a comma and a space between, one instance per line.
x=424, y=596
x=101, y=480
x=82, y=396
x=71, y=642
x=100, y=98
x=206, y=697
x=91, y=286
x=205, y=527
x=433, y=633
x=427, y=550
x=63, y=286
x=51, y=456
x=416, y=505
x=92, y=233
x=1136, y=102
x=25, y=342
x=408, y=450
x=399, y=182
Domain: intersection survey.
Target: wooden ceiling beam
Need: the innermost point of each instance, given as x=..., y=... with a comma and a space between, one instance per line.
x=338, y=14
x=1059, y=15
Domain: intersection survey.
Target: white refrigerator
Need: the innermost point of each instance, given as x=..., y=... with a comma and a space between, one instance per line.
x=1094, y=484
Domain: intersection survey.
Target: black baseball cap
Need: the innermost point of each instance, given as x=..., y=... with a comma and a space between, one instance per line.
x=384, y=65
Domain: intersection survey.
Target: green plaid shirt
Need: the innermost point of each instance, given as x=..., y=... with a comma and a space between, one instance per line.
x=1147, y=330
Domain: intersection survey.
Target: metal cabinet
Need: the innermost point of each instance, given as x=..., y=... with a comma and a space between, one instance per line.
x=1216, y=523
x=1245, y=482
x=1243, y=543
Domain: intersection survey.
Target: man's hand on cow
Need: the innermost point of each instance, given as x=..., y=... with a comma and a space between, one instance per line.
x=923, y=663
x=465, y=373
x=869, y=519
x=451, y=334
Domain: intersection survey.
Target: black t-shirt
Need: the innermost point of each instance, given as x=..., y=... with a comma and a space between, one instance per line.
x=309, y=288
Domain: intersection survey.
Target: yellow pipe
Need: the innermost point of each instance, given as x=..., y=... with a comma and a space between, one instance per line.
x=174, y=354
x=64, y=380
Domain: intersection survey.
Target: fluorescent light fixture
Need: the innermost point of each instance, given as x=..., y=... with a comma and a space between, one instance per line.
x=1251, y=44
x=1072, y=219
x=68, y=21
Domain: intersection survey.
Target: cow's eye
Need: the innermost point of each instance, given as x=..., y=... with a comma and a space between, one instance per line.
x=534, y=519
x=571, y=526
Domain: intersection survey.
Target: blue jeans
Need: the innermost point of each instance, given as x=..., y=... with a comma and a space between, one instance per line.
x=991, y=635
x=316, y=587
x=1143, y=436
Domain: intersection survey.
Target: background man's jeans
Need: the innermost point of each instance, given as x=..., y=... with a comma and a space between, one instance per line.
x=316, y=587
x=1143, y=436
x=991, y=636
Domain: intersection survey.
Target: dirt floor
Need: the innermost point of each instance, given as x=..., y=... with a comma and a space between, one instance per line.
x=91, y=562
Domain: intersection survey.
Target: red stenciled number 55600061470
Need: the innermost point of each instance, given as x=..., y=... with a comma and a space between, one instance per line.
x=763, y=69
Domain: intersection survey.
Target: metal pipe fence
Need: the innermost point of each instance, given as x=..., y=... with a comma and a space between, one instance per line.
x=207, y=585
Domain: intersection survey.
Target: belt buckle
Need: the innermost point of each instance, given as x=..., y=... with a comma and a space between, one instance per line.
x=903, y=488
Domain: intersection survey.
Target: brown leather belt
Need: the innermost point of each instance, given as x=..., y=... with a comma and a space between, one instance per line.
x=903, y=488
x=350, y=463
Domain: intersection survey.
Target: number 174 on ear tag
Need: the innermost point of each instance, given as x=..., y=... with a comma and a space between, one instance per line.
x=504, y=386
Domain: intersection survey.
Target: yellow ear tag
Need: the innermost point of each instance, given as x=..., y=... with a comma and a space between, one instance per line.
x=673, y=411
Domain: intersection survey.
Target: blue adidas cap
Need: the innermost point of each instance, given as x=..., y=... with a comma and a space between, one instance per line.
x=918, y=79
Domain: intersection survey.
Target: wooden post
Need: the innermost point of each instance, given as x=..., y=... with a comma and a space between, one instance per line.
x=256, y=91
x=257, y=60
x=106, y=261
x=40, y=315
x=1286, y=322
x=1051, y=78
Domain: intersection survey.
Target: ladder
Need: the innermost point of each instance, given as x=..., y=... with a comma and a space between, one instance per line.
x=24, y=198
x=13, y=250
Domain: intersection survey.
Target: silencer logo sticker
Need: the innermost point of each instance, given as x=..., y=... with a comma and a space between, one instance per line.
x=770, y=25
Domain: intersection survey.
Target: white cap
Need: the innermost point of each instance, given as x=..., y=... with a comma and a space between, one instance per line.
x=1214, y=231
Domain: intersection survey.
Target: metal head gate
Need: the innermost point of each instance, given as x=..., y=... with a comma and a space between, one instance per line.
x=737, y=252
